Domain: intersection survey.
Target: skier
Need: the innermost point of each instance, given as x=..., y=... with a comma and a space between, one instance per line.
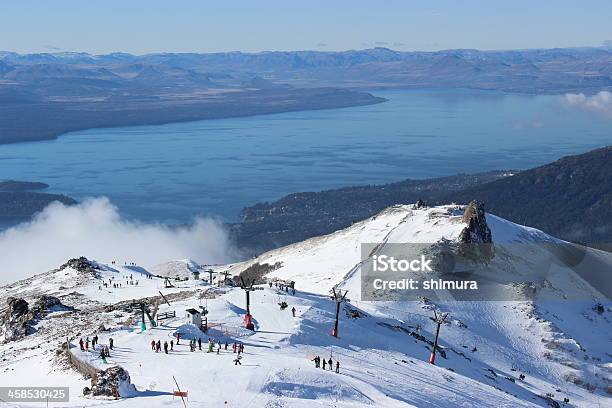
x=210, y=347
x=171, y=345
x=153, y=345
x=324, y=364
x=158, y=346
x=316, y=361
x=82, y=344
x=241, y=348
x=200, y=343
x=237, y=360
x=102, y=355
x=178, y=338
x=233, y=346
x=111, y=343
x=270, y=283
x=293, y=311
x=226, y=345
x=166, y=347
x=337, y=367
x=330, y=364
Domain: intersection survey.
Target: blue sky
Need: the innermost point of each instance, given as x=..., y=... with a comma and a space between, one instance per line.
x=209, y=26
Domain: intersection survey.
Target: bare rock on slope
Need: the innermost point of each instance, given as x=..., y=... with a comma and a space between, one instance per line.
x=477, y=230
x=114, y=382
x=81, y=264
x=19, y=318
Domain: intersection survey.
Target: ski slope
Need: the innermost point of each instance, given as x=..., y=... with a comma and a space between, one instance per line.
x=562, y=348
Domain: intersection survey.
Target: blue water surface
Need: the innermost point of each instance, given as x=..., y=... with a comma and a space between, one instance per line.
x=174, y=172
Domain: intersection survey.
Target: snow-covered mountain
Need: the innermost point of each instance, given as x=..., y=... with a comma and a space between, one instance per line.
x=492, y=353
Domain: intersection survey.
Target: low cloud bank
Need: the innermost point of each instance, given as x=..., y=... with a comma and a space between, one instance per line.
x=600, y=102
x=95, y=229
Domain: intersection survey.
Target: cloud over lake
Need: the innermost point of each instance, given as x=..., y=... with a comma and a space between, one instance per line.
x=95, y=229
x=600, y=102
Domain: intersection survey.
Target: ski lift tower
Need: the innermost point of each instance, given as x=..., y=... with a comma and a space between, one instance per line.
x=439, y=319
x=144, y=311
x=224, y=281
x=210, y=275
x=338, y=298
x=248, y=318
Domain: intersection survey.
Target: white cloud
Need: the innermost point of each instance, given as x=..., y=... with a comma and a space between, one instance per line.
x=95, y=229
x=600, y=102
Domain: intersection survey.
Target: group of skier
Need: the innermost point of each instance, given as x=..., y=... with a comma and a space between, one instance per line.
x=329, y=363
x=283, y=286
x=104, y=349
x=196, y=344
x=156, y=346
x=125, y=263
x=129, y=280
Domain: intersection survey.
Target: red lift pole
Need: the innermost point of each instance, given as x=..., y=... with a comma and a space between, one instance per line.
x=248, y=319
x=439, y=319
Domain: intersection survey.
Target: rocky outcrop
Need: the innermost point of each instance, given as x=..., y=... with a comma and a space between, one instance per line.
x=15, y=320
x=17, y=307
x=477, y=230
x=20, y=317
x=114, y=382
x=475, y=240
x=82, y=265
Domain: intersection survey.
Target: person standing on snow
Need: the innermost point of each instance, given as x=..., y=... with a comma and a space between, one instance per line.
x=171, y=345
x=153, y=345
x=316, y=361
x=166, y=347
x=324, y=362
x=237, y=360
x=200, y=343
x=330, y=364
x=337, y=367
x=82, y=344
x=111, y=343
x=293, y=311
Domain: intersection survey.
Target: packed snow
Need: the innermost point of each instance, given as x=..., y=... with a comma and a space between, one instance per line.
x=492, y=353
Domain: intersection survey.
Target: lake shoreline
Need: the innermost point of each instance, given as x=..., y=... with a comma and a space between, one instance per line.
x=53, y=120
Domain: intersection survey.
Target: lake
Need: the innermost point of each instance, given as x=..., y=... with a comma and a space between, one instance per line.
x=172, y=173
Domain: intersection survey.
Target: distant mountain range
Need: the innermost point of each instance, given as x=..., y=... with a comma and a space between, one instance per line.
x=45, y=95
x=570, y=198
x=534, y=71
